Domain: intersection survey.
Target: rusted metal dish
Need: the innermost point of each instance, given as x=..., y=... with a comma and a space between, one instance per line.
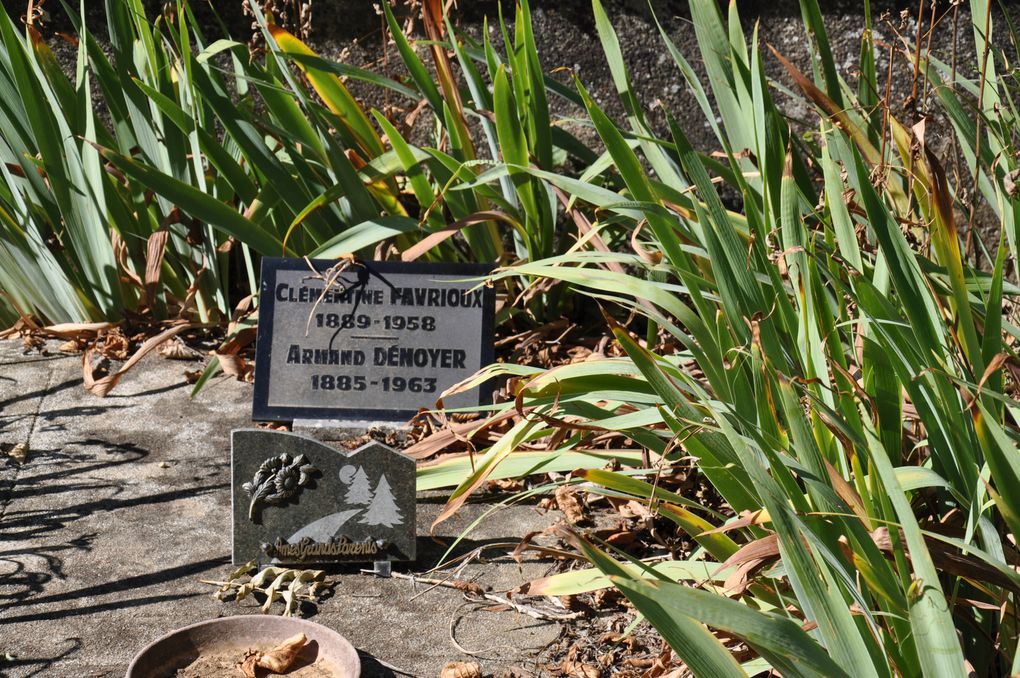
x=179, y=649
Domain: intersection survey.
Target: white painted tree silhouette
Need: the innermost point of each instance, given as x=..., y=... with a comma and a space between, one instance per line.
x=383, y=509
x=360, y=491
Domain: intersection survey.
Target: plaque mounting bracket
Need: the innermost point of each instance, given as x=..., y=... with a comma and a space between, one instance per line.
x=312, y=426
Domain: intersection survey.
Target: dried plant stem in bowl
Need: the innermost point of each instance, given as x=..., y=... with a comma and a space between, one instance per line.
x=278, y=660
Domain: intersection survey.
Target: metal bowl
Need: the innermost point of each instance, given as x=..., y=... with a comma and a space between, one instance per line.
x=177, y=649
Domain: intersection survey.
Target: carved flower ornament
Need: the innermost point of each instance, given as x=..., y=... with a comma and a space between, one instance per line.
x=278, y=479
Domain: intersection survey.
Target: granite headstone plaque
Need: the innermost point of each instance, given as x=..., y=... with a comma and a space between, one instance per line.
x=375, y=341
x=298, y=501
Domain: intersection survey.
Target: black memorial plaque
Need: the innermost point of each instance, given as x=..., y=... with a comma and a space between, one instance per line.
x=298, y=501
x=380, y=343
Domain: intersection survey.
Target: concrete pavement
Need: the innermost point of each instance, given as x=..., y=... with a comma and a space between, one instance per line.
x=123, y=504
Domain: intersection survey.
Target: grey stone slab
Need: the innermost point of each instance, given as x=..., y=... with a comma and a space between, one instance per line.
x=123, y=505
x=330, y=430
x=296, y=500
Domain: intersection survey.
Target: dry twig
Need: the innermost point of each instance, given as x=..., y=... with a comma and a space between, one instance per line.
x=475, y=593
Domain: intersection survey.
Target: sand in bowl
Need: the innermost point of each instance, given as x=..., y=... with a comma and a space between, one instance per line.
x=225, y=664
x=294, y=658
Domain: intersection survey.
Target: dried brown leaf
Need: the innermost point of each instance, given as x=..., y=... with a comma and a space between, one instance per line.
x=436, y=238
x=154, y=262
x=461, y=670
x=466, y=586
x=580, y=670
x=120, y=253
x=71, y=346
x=453, y=433
x=234, y=365
x=279, y=659
x=634, y=509
x=748, y=560
x=189, y=297
x=1009, y=182
x=568, y=502
x=579, y=354
x=572, y=603
x=102, y=387
x=113, y=344
x=949, y=559
x=248, y=663
x=229, y=355
x=994, y=365
x=758, y=517
x=837, y=114
x=506, y=485
x=606, y=597
x=621, y=539
x=18, y=452
x=274, y=425
x=176, y=349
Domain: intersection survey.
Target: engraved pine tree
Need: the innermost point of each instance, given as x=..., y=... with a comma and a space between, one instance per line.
x=360, y=491
x=383, y=509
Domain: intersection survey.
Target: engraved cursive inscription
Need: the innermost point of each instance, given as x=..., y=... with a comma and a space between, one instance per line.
x=306, y=549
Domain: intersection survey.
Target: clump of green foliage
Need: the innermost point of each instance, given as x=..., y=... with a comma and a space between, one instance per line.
x=845, y=377
x=211, y=155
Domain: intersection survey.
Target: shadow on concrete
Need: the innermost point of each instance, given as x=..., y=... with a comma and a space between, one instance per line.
x=21, y=582
x=39, y=393
x=431, y=550
x=43, y=483
x=119, y=604
x=39, y=666
x=132, y=452
x=372, y=667
x=152, y=391
x=163, y=576
x=60, y=489
x=74, y=412
x=56, y=415
x=25, y=360
x=37, y=523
